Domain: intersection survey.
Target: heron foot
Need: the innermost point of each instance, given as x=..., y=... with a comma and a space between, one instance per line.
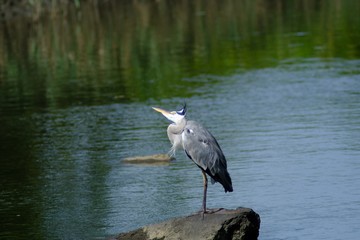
x=214, y=210
x=209, y=211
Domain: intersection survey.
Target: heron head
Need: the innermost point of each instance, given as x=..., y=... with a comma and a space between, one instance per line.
x=174, y=116
x=182, y=111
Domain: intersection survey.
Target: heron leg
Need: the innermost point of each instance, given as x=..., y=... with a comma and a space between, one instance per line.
x=205, y=191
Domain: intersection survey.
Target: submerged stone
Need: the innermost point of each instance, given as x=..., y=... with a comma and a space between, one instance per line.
x=149, y=159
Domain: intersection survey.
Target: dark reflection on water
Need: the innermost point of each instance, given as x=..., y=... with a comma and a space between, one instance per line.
x=277, y=83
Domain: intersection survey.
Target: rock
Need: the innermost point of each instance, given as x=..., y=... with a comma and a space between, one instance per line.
x=238, y=224
x=150, y=159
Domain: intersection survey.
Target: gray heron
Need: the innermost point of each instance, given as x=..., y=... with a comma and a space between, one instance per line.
x=200, y=146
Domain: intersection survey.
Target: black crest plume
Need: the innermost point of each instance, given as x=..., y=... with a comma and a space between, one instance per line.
x=182, y=111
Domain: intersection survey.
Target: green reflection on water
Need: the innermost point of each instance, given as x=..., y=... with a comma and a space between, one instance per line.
x=131, y=51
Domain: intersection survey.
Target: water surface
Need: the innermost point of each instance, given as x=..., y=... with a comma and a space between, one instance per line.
x=277, y=84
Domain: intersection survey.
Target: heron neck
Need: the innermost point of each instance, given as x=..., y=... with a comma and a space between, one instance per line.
x=177, y=128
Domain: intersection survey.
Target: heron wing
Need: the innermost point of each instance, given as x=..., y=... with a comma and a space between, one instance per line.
x=201, y=146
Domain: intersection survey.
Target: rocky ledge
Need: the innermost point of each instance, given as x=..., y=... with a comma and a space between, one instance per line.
x=238, y=224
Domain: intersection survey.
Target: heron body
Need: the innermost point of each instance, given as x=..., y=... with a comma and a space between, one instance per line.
x=200, y=146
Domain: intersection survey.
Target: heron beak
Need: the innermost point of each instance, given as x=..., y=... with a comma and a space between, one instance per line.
x=162, y=111
x=166, y=114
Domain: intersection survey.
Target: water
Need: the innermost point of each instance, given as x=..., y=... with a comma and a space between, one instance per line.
x=292, y=143
x=282, y=100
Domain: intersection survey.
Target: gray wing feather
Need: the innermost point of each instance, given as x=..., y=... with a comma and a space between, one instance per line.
x=200, y=145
